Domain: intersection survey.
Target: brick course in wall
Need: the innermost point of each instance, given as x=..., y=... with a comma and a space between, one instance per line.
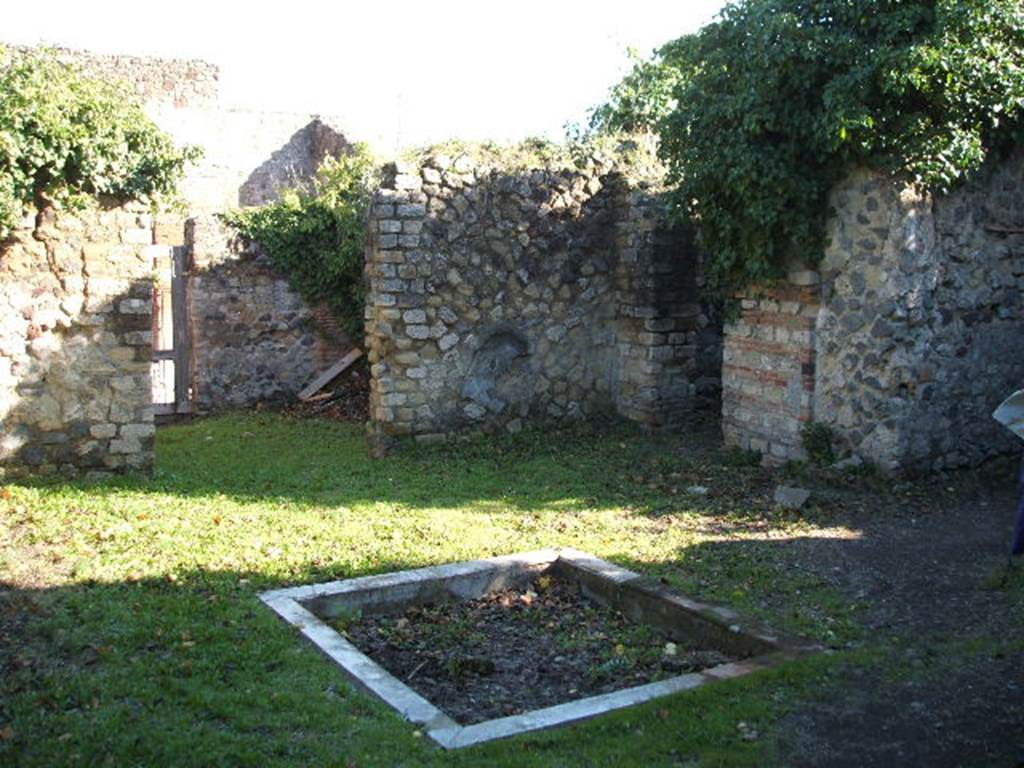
x=768, y=364
x=75, y=343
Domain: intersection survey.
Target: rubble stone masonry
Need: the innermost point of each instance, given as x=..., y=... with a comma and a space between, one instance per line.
x=75, y=343
x=914, y=336
x=502, y=297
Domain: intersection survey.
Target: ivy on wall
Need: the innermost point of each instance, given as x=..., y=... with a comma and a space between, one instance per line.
x=317, y=237
x=760, y=113
x=66, y=138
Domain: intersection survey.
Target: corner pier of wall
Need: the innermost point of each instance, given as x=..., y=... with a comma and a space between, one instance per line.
x=904, y=343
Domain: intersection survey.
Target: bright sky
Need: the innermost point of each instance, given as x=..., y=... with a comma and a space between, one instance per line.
x=397, y=73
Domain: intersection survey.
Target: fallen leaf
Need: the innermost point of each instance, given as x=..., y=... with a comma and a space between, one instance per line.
x=6, y=733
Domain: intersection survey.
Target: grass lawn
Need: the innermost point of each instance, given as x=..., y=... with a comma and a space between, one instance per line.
x=131, y=633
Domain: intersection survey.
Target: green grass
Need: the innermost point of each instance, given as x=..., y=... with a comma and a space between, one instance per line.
x=140, y=639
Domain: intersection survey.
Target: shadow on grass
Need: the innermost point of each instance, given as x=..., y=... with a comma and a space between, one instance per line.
x=191, y=669
x=195, y=671
x=188, y=668
x=268, y=457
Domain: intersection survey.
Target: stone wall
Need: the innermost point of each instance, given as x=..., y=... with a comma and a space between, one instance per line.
x=920, y=332
x=500, y=297
x=254, y=339
x=176, y=83
x=249, y=156
x=75, y=343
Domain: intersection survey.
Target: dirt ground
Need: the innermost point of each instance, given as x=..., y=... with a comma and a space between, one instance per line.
x=932, y=577
x=518, y=650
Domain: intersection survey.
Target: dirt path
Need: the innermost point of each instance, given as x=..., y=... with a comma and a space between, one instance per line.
x=948, y=693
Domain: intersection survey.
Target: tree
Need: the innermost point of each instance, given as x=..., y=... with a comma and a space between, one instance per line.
x=776, y=100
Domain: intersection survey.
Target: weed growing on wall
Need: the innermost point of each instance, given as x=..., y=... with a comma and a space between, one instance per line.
x=318, y=237
x=66, y=138
x=818, y=439
x=761, y=112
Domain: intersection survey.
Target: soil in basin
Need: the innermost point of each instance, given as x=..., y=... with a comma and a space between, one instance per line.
x=520, y=649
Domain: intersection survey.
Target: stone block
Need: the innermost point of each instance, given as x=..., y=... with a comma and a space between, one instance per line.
x=135, y=307
x=415, y=316
x=411, y=210
x=137, y=431
x=123, y=447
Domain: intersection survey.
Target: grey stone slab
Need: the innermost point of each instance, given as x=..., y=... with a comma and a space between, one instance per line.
x=595, y=565
x=791, y=498
x=387, y=581
x=359, y=667
x=562, y=714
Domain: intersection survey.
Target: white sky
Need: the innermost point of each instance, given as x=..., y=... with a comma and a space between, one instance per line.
x=398, y=72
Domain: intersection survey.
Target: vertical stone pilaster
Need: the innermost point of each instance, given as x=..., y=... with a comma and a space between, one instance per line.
x=768, y=371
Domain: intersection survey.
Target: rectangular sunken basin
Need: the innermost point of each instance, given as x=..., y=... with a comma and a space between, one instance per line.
x=743, y=645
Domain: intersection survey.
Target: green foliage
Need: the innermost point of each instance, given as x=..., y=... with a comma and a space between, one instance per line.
x=774, y=102
x=639, y=101
x=817, y=441
x=318, y=237
x=65, y=138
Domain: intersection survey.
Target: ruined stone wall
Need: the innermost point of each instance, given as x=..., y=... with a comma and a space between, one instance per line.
x=172, y=82
x=668, y=347
x=917, y=332
x=75, y=343
x=500, y=297
x=249, y=156
x=254, y=339
x=921, y=333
